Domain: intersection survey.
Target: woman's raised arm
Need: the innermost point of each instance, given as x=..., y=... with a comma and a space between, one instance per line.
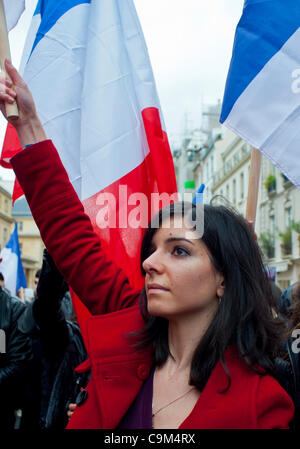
x=27, y=125
x=65, y=229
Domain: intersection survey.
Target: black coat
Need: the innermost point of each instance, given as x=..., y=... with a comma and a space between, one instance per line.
x=14, y=361
x=288, y=374
x=57, y=347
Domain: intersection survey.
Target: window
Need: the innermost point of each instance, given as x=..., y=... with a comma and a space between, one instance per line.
x=234, y=191
x=286, y=241
x=211, y=165
x=273, y=235
x=288, y=216
x=272, y=227
x=6, y=206
x=4, y=237
x=227, y=192
x=242, y=186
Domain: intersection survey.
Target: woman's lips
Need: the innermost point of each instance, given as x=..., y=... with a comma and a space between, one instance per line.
x=156, y=288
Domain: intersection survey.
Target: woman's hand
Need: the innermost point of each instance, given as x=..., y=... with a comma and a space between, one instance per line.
x=71, y=410
x=27, y=125
x=17, y=88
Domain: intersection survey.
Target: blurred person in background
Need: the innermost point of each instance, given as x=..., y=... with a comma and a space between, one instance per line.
x=58, y=349
x=14, y=361
x=2, y=283
x=288, y=362
x=293, y=346
x=36, y=280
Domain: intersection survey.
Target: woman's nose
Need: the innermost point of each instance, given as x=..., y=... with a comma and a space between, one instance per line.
x=153, y=263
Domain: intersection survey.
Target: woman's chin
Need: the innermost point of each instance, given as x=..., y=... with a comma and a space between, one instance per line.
x=155, y=308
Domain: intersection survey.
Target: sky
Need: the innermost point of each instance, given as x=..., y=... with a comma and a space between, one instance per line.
x=189, y=43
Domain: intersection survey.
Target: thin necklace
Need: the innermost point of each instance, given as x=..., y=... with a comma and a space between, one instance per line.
x=174, y=400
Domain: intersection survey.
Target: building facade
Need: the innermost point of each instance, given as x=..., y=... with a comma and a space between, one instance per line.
x=186, y=158
x=6, y=220
x=222, y=163
x=279, y=224
x=31, y=244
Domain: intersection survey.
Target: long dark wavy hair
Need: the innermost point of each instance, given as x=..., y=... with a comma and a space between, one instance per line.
x=244, y=316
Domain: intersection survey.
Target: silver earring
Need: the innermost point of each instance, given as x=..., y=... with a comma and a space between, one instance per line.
x=220, y=299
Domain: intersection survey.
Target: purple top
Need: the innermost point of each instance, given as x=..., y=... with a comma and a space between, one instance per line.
x=139, y=414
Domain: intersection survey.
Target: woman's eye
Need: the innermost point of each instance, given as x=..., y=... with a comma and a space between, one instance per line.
x=180, y=251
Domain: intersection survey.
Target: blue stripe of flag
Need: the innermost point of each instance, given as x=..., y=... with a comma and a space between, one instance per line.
x=51, y=11
x=263, y=29
x=13, y=245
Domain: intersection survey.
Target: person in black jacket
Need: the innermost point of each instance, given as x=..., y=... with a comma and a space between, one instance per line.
x=14, y=360
x=293, y=347
x=288, y=364
x=58, y=348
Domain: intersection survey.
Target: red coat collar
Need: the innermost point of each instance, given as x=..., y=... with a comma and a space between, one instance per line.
x=118, y=368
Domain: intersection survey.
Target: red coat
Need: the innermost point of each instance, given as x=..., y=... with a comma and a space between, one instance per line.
x=118, y=371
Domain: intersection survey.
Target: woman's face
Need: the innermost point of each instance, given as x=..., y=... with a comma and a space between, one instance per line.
x=180, y=278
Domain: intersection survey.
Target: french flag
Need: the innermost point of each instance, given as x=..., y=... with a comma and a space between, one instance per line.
x=13, y=13
x=262, y=95
x=11, y=264
x=87, y=65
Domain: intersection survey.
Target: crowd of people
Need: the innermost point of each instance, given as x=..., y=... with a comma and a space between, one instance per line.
x=44, y=345
x=205, y=344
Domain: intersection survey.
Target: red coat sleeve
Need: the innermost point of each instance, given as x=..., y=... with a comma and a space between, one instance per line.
x=67, y=231
x=275, y=409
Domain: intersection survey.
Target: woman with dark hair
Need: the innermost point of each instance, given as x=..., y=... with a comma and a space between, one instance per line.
x=199, y=350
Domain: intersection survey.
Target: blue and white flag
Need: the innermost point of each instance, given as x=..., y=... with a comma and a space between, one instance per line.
x=262, y=95
x=11, y=264
x=13, y=11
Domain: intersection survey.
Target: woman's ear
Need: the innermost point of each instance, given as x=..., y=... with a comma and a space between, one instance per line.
x=221, y=287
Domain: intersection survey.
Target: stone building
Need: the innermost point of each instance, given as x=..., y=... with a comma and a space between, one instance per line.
x=231, y=177
x=186, y=158
x=278, y=222
x=31, y=244
x=6, y=220
x=222, y=163
x=278, y=209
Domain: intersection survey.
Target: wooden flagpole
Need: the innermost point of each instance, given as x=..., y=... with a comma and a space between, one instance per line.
x=253, y=186
x=11, y=109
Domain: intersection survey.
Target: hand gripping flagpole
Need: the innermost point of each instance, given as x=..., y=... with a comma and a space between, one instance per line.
x=253, y=186
x=11, y=109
